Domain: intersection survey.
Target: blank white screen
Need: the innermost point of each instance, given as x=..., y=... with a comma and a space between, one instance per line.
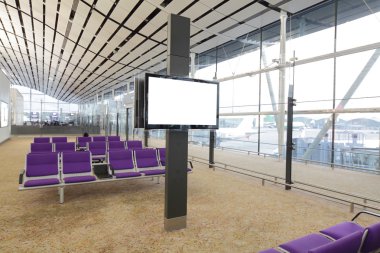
x=179, y=102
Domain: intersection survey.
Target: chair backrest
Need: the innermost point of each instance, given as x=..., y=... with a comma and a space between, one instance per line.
x=146, y=158
x=41, y=139
x=65, y=147
x=116, y=145
x=347, y=244
x=134, y=144
x=372, y=240
x=41, y=147
x=99, y=138
x=58, y=139
x=82, y=141
x=41, y=164
x=162, y=155
x=76, y=162
x=113, y=138
x=98, y=146
x=120, y=159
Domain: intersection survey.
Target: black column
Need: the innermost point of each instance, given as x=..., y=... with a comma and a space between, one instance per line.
x=177, y=140
x=211, y=149
x=289, y=139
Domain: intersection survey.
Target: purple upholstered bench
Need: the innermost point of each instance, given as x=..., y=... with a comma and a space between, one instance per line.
x=147, y=162
x=116, y=145
x=346, y=237
x=41, y=147
x=64, y=147
x=121, y=164
x=161, y=152
x=98, y=150
x=41, y=139
x=134, y=144
x=99, y=138
x=113, y=138
x=41, y=169
x=77, y=167
x=58, y=139
x=82, y=142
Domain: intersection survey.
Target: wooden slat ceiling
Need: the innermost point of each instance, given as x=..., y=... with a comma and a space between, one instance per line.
x=74, y=49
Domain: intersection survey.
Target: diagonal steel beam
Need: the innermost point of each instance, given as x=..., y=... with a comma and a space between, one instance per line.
x=355, y=85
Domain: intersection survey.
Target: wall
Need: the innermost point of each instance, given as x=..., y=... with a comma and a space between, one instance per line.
x=5, y=132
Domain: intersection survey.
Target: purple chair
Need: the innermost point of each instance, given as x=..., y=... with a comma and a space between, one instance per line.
x=162, y=158
x=41, y=139
x=64, y=147
x=82, y=142
x=77, y=167
x=121, y=164
x=270, y=251
x=41, y=170
x=99, y=138
x=147, y=162
x=41, y=147
x=134, y=144
x=304, y=244
x=98, y=150
x=113, y=138
x=116, y=145
x=58, y=139
x=347, y=244
x=372, y=239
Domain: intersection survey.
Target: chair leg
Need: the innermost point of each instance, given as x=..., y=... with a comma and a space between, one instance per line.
x=158, y=180
x=61, y=195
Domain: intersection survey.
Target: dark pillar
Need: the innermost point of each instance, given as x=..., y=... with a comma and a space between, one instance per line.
x=289, y=139
x=177, y=140
x=117, y=124
x=127, y=124
x=211, y=149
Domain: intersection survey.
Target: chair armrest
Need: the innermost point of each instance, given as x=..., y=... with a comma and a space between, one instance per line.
x=366, y=212
x=21, y=176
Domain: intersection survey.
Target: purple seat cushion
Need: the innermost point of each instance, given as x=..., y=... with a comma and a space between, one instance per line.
x=347, y=244
x=372, y=241
x=269, y=251
x=342, y=229
x=69, y=180
x=41, y=182
x=153, y=172
x=127, y=174
x=121, y=165
x=304, y=244
x=188, y=170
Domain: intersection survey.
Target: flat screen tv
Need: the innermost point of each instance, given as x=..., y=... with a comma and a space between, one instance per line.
x=3, y=114
x=180, y=103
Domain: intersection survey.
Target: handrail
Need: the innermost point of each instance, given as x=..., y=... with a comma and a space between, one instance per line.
x=365, y=199
x=366, y=212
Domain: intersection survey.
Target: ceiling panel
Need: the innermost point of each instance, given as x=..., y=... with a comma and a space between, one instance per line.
x=131, y=48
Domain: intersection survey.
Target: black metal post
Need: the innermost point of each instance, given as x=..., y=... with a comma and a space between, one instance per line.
x=289, y=139
x=126, y=124
x=117, y=124
x=211, y=149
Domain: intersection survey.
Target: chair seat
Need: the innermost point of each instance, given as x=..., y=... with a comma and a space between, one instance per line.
x=98, y=152
x=303, y=244
x=127, y=174
x=342, y=229
x=122, y=165
x=153, y=172
x=79, y=179
x=41, y=182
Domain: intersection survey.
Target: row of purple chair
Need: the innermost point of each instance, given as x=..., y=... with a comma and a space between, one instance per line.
x=48, y=140
x=345, y=237
x=54, y=169
x=82, y=143
x=64, y=139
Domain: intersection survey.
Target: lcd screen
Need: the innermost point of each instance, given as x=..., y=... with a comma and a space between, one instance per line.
x=177, y=102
